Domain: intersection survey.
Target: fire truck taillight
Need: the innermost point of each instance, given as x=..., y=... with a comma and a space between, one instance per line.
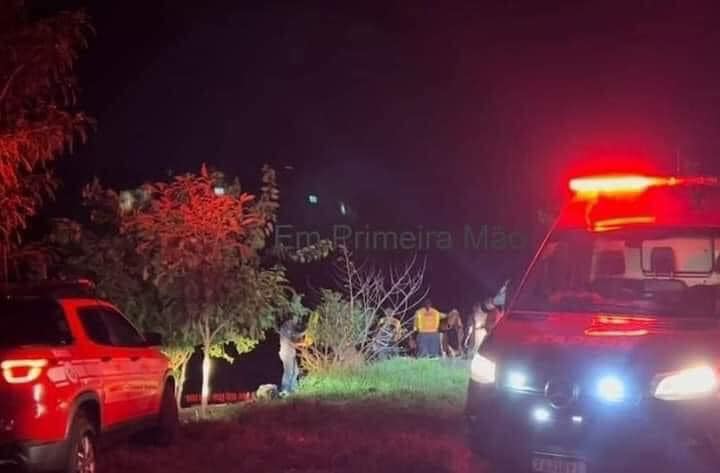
x=22, y=371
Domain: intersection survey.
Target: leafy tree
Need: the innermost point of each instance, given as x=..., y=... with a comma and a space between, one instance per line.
x=98, y=251
x=105, y=249
x=38, y=115
x=202, y=250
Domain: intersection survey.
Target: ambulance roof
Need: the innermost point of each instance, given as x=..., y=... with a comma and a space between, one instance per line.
x=612, y=202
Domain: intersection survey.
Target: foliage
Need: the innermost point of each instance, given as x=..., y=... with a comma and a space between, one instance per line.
x=38, y=115
x=296, y=309
x=189, y=230
x=201, y=249
x=307, y=254
x=266, y=207
x=241, y=344
x=345, y=329
x=182, y=260
x=98, y=251
x=179, y=357
x=336, y=330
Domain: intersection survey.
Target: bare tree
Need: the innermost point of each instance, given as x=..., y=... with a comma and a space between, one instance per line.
x=374, y=291
x=345, y=328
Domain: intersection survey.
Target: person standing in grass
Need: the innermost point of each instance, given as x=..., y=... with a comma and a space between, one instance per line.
x=477, y=329
x=453, y=334
x=290, y=336
x=427, y=326
x=387, y=336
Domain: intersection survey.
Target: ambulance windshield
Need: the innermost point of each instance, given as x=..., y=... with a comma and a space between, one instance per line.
x=657, y=272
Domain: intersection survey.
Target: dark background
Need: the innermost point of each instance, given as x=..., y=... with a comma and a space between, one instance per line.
x=427, y=113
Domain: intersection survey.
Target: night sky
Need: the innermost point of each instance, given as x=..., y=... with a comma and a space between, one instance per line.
x=415, y=113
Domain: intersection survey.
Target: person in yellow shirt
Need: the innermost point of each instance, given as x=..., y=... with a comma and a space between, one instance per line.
x=310, y=330
x=427, y=326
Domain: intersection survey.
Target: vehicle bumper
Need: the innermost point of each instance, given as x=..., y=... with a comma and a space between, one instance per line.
x=607, y=438
x=33, y=457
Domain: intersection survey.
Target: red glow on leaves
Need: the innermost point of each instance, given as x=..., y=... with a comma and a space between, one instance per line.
x=190, y=227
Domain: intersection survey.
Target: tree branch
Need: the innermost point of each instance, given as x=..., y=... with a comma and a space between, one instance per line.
x=6, y=87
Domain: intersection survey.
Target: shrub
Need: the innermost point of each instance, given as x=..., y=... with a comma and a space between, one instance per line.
x=336, y=333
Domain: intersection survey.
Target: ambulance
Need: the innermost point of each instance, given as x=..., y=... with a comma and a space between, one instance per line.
x=608, y=355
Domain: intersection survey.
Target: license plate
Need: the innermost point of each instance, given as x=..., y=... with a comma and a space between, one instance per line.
x=553, y=464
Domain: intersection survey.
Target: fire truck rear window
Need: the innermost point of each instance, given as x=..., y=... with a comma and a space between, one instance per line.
x=32, y=322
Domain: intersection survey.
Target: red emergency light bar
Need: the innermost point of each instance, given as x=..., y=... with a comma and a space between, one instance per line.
x=618, y=183
x=631, y=183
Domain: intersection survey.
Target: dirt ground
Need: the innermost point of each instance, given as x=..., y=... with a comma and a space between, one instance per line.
x=309, y=437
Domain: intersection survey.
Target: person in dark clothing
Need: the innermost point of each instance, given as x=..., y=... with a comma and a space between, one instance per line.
x=477, y=329
x=290, y=336
x=387, y=336
x=453, y=334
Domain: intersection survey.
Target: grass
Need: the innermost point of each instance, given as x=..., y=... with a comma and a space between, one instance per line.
x=396, y=416
x=402, y=381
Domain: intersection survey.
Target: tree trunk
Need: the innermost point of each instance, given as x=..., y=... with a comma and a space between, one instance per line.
x=182, y=376
x=5, y=270
x=205, y=393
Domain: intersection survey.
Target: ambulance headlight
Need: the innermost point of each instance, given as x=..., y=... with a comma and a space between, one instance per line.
x=611, y=389
x=687, y=384
x=541, y=415
x=517, y=380
x=482, y=370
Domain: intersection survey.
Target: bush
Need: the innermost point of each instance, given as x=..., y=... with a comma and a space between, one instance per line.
x=336, y=333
